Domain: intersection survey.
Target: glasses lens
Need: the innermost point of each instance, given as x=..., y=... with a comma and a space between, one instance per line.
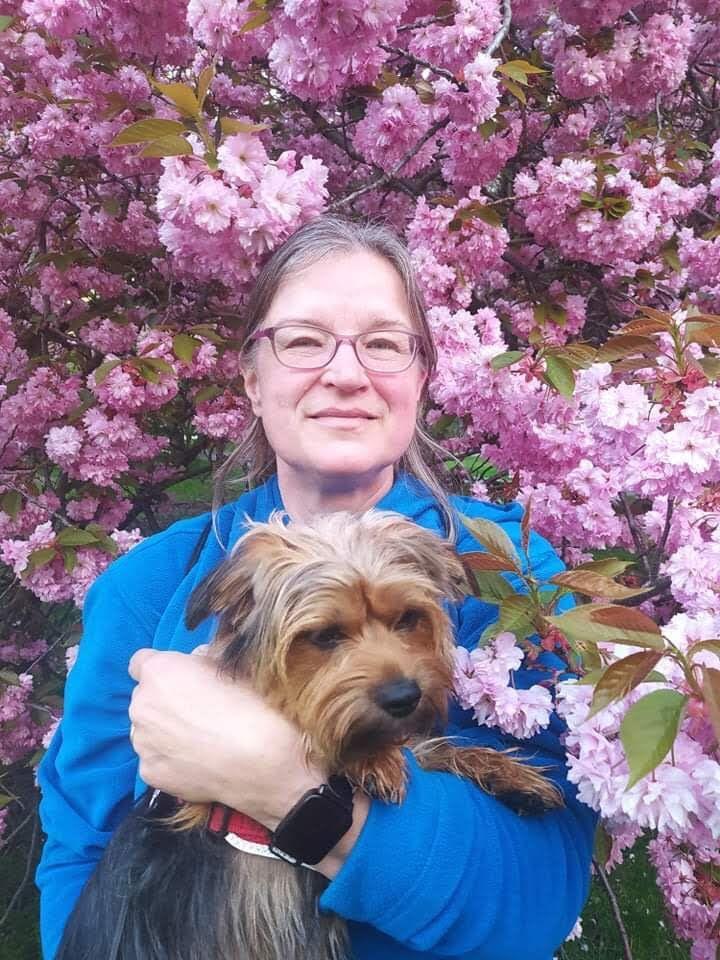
x=299, y=346
x=386, y=350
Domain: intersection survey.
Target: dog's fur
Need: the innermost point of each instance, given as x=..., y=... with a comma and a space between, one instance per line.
x=322, y=619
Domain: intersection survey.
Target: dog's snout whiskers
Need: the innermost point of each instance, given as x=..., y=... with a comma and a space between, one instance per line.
x=398, y=697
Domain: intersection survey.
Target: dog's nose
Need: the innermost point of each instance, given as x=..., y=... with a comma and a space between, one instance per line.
x=398, y=697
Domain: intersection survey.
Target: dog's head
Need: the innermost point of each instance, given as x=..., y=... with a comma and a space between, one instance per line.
x=339, y=623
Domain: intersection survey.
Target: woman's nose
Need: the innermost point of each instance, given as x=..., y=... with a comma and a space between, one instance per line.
x=345, y=369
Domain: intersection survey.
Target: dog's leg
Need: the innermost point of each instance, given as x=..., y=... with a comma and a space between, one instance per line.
x=384, y=778
x=518, y=785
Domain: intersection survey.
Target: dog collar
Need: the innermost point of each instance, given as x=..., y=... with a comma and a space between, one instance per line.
x=240, y=831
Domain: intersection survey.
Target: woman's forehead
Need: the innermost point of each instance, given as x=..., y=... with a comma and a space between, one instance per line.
x=360, y=286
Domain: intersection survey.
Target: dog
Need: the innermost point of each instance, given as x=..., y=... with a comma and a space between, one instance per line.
x=340, y=625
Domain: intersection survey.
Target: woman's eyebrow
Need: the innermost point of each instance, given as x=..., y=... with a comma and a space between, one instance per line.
x=376, y=323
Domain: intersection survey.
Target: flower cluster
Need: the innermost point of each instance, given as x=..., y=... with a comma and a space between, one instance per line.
x=482, y=683
x=557, y=180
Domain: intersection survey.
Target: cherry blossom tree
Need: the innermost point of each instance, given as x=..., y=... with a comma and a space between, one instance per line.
x=555, y=170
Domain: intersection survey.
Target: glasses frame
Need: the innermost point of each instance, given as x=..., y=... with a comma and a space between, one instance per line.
x=269, y=334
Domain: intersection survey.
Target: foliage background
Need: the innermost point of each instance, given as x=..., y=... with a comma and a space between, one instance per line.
x=555, y=169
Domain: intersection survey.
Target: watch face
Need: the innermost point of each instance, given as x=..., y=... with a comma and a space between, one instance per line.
x=312, y=828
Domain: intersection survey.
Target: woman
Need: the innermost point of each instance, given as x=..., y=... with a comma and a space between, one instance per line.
x=336, y=368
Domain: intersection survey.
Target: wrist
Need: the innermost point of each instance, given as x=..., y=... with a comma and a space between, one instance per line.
x=331, y=865
x=289, y=793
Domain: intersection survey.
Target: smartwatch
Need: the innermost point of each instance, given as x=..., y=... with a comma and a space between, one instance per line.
x=319, y=819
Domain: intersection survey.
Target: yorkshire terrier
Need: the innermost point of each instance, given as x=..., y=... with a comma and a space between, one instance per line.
x=339, y=624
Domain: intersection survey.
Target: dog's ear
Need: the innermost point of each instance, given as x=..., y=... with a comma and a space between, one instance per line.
x=227, y=590
x=436, y=557
x=443, y=565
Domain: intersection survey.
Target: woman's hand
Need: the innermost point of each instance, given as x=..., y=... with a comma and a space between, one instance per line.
x=204, y=738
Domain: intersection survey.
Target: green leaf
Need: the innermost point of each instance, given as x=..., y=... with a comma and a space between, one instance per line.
x=39, y=558
x=182, y=96
x=75, y=537
x=492, y=587
x=5, y=800
x=145, y=131
x=623, y=676
x=609, y=567
x=170, y=146
x=104, y=369
x=559, y=374
x=204, y=83
x=488, y=128
x=492, y=536
x=588, y=624
x=518, y=70
x=710, y=367
x=207, y=393
x=185, y=347
x=515, y=89
x=506, y=359
x=104, y=540
x=488, y=215
x=151, y=368
x=259, y=20
x=11, y=503
x=5, y=21
x=9, y=677
x=69, y=556
x=229, y=125
x=648, y=731
x=516, y=615
x=669, y=254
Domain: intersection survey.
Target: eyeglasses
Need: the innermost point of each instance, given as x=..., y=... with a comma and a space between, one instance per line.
x=306, y=347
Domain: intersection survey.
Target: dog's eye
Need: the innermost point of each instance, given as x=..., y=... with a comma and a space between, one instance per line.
x=327, y=638
x=409, y=619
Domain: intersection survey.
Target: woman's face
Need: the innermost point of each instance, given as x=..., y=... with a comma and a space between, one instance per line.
x=347, y=294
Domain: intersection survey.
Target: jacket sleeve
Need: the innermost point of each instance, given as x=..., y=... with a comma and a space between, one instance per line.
x=452, y=871
x=87, y=776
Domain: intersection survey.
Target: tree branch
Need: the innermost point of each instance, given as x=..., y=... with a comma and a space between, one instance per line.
x=388, y=177
x=504, y=29
x=440, y=71
x=615, y=907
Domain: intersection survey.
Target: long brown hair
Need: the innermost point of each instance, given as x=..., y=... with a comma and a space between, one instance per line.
x=323, y=237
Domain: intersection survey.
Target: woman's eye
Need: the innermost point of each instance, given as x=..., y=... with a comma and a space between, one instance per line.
x=409, y=619
x=302, y=342
x=389, y=345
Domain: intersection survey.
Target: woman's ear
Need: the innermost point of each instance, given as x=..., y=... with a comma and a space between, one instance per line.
x=252, y=385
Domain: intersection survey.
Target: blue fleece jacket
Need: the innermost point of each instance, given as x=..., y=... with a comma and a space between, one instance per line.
x=451, y=872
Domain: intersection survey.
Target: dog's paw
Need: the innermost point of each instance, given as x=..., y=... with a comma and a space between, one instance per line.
x=384, y=779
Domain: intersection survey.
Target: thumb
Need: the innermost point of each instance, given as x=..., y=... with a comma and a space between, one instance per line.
x=138, y=661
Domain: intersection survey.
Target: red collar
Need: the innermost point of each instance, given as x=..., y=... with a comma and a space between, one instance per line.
x=224, y=820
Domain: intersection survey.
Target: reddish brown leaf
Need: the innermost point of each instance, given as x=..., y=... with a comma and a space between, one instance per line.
x=643, y=326
x=711, y=695
x=625, y=618
x=593, y=584
x=623, y=676
x=487, y=561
